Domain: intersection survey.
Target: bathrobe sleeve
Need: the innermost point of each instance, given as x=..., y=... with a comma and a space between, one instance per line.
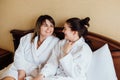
x=19, y=60
x=76, y=65
x=51, y=67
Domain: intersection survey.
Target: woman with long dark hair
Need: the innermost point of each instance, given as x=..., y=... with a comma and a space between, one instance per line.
x=33, y=51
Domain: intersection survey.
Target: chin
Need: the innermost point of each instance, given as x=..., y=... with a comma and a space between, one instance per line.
x=49, y=35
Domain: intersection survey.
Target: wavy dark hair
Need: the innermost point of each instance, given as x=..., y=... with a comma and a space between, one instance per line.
x=79, y=25
x=41, y=19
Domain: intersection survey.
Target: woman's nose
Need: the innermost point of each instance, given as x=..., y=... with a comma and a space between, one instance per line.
x=49, y=28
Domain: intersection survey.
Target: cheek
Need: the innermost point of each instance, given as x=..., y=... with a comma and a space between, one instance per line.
x=52, y=29
x=65, y=31
x=66, y=34
x=42, y=31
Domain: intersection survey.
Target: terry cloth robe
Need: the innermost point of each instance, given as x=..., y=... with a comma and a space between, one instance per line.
x=73, y=66
x=28, y=57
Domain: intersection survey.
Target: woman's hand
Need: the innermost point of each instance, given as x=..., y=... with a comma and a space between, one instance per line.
x=21, y=74
x=39, y=77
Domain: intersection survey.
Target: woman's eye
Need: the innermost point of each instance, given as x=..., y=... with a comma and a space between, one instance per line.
x=45, y=25
x=51, y=26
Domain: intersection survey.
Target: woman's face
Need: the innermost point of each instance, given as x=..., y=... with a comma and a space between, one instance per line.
x=46, y=28
x=69, y=34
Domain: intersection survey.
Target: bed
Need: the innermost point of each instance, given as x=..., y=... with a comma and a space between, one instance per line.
x=93, y=39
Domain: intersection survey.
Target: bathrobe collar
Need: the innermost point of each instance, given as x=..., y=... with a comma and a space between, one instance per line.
x=42, y=48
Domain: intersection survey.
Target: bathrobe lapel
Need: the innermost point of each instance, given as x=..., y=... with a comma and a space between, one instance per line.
x=43, y=47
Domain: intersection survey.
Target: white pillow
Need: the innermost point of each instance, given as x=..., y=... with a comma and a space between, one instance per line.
x=102, y=67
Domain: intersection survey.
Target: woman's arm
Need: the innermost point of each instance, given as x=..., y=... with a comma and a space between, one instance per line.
x=75, y=65
x=52, y=64
x=19, y=56
x=39, y=77
x=19, y=60
x=21, y=74
x=50, y=67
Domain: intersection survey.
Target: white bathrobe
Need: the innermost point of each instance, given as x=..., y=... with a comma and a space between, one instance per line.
x=28, y=57
x=73, y=66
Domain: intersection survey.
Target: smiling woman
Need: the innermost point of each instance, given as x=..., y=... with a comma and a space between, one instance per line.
x=46, y=30
x=93, y=39
x=26, y=59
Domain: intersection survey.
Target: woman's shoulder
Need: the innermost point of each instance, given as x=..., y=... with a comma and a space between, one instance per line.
x=27, y=36
x=55, y=38
x=86, y=48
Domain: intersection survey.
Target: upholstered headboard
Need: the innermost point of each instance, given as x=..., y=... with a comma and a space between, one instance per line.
x=94, y=40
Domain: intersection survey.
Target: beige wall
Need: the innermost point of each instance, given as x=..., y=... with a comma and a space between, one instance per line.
x=22, y=14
